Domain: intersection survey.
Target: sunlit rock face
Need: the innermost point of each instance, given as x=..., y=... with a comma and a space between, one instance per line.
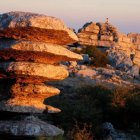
x=39, y=52
x=31, y=48
x=135, y=39
x=88, y=35
x=105, y=35
x=97, y=34
x=35, y=27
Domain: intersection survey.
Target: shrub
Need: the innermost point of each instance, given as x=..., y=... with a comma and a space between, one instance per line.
x=81, y=132
x=120, y=96
x=95, y=105
x=125, y=109
x=98, y=58
x=87, y=106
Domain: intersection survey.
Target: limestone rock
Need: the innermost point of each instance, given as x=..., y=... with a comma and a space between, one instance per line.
x=134, y=70
x=88, y=35
x=90, y=27
x=107, y=44
x=108, y=29
x=35, y=52
x=31, y=49
x=135, y=38
x=119, y=60
x=23, y=105
x=34, y=90
x=108, y=132
x=35, y=27
x=98, y=34
x=86, y=73
x=51, y=109
x=27, y=105
x=30, y=126
x=86, y=59
x=25, y=97
x=124, y=38
x=33, y=72
x=106, y=38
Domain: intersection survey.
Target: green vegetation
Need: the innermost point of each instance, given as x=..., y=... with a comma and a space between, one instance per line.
x=93, y=105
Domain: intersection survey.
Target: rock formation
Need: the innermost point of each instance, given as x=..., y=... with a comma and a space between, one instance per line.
x=105, y=35
x=135, y=39
x=30, y=52
x=97, y=34
x=125, y=45
x=35, y=27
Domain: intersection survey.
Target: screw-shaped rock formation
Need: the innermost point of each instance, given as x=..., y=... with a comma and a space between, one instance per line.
x=30, y=52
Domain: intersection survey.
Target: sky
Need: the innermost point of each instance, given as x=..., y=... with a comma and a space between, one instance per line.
x=124, y=14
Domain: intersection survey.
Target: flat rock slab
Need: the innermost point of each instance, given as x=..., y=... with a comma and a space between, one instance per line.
x=35, y=27
x=33, y=90
x=30, y=126
x=23, y=104
x=32, y=72
x=24, y=97
x=35, y=52
x=41, y=91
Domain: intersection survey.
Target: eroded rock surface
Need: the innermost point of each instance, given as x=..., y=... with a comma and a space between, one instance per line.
x=30, y=126
x=31, y=49
x=109, y=36
x=31, y=72
x=35, y=27
x=24, y=97
x=35, y=52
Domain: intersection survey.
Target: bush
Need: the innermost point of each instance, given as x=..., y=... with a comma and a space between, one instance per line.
x=81, y=132
x=95, y=105
x=125, y=109
x=120, y=96
x=87, y=106
x=98, y=58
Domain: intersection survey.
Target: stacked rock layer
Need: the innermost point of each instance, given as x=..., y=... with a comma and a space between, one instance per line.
x=31, y=47
x=135, y=39
x=107, y=36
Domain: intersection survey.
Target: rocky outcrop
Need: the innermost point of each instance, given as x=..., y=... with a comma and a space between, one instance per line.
x=121, y=61
x=33, y=72
x=108, y=36
x=30, y=126
x=135, y=39
x=35, y=27
x=89, y=34
x=98, y=34
x=30, y=52
x=108, y=132
x=39, y=52
x=125, y=45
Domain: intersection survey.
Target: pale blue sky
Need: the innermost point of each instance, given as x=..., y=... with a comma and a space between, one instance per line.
x=125, y=14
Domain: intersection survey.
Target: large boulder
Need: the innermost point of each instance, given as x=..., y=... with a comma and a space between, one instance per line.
x=119, y=60
x=35, y=27
x=88, y=34
x=106, y=35
x=35, y=52
x=33, y=72
x=86, y=73
x=31, y=47
x=24, y=97
x=108, y=132
x=30, y=126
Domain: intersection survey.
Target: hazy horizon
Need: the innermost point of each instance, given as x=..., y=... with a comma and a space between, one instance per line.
x=123, y=14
